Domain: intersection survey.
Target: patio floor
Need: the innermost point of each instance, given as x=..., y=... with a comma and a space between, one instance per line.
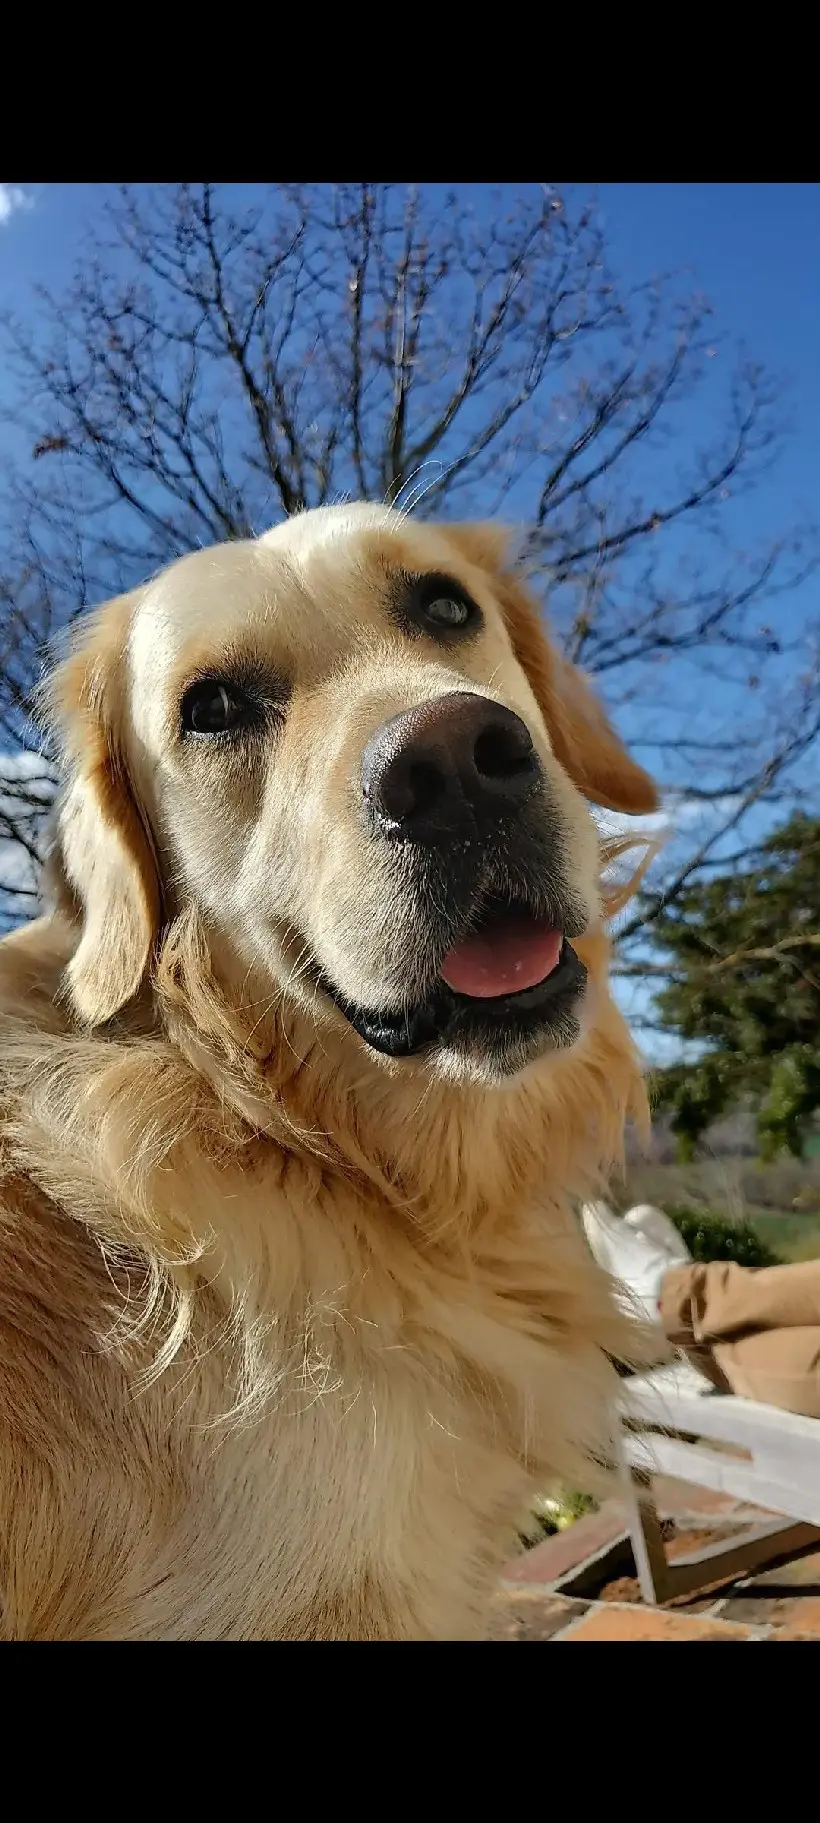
x=781, y=1603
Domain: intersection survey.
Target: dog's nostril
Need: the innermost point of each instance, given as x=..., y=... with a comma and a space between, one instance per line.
x=502, y=752
x=426, y=786
x=454, y=767
x=410, y=788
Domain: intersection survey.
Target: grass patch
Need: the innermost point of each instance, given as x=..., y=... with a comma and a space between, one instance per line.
x=792, y=1237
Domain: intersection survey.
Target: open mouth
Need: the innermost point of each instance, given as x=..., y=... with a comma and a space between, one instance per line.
x=512, y=978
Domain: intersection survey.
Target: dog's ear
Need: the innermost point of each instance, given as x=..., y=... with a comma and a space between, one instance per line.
x=484, y=542
x=582, y=737
x=102, y=869
x=583, y=740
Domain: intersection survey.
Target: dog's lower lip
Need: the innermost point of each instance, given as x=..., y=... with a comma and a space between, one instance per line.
x=410, y=1032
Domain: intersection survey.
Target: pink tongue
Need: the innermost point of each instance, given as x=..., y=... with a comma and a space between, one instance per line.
x=517, y=953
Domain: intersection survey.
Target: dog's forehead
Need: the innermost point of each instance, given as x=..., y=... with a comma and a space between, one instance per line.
x=314, y=543
x=208, y=595
x=306, y=533
x=319, y=576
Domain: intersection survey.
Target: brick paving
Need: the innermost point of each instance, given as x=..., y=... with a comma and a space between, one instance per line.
x=607, y=1621
x=523, y=1614
x=777, y=1604
x=546, y=1562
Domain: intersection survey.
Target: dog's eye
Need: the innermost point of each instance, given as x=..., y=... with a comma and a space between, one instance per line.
x=446, y=611
x=213, y=707
x=434, y=604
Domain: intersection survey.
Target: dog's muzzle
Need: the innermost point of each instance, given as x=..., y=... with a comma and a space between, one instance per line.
x=456, y=789
x=449, y=770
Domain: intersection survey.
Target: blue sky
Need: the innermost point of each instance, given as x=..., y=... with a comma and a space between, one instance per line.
x=753, y=249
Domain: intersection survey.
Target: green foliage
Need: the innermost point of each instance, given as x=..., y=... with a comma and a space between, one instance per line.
x=553, y=1514
x=711, y=1236
x=744, y=957
x=794, y=1093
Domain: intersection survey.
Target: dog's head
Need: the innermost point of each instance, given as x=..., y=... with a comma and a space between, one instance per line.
x=352, y=747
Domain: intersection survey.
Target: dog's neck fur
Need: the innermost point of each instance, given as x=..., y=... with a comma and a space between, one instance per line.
x=257, y=1237
x=277, y=1083
x=549, y=1137
x=254, y=1114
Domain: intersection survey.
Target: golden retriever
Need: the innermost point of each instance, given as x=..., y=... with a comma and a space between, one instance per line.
x=300, y=1080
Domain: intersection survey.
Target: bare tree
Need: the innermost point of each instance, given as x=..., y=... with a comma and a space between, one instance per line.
x=216, y=367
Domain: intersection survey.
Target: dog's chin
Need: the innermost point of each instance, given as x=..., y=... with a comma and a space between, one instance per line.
x=500, y=1034
x=484, y=1034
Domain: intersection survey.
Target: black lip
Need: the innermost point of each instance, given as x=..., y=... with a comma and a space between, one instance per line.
x=544, y=1010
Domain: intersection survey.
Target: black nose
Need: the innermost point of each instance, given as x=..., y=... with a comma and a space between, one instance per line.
x=451, y=767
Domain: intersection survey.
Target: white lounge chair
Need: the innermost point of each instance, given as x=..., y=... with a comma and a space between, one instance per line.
x=671, y=1424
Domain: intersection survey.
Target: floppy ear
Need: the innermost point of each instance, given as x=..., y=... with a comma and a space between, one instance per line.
x=102, y=867
x=582, y=738
x=484, y=542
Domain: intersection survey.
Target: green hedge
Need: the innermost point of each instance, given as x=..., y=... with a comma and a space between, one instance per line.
x=711, y=1236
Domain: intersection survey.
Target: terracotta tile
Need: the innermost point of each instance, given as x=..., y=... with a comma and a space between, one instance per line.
x=520, y=1614
x=803, y=1616
x=682, y=1500
x=603, y=1623
x=804, y=1573
x=750, y=1610
x=556, y=1556
x=689, y=1539
x=624, y=1589
x=766, y=1608
x=674, y=1497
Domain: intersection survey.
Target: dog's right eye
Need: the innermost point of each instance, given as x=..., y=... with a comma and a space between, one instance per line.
x=214, y=707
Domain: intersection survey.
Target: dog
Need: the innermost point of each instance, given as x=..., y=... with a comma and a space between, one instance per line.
x=301, y=1080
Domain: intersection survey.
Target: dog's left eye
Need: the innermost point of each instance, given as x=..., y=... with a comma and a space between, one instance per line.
x=435, y=604
x=214, y=707
x=445, y=611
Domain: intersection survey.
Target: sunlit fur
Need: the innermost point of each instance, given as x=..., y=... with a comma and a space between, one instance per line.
x=289, y=1332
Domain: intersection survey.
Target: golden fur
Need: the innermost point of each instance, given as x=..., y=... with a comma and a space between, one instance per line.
x=289, y=1332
